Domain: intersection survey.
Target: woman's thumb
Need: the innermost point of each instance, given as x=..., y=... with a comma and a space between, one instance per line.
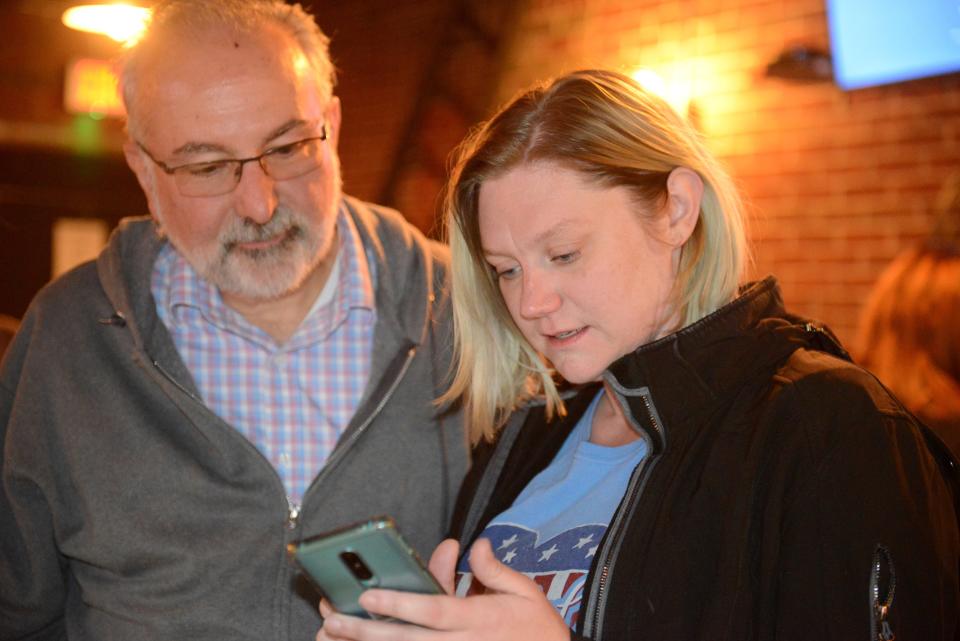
x=443, y=563
x=493, y=574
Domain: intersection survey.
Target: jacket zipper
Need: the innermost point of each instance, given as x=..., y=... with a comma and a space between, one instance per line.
x=881, y=600
x=596, y=603
x=293, y=509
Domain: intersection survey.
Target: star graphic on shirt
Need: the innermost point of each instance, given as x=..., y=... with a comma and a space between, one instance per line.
x=592, y=551
x=508, y=557
x=583, y=541
x=546, y=554
x=508, y=542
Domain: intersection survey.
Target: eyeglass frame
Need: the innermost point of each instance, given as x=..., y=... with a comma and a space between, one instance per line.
x=240, y=162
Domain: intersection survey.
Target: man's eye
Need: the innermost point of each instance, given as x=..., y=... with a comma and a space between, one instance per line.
x=285, y=151
x=207, y=169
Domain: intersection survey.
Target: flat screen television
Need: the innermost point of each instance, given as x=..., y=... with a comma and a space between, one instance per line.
x=877, y=42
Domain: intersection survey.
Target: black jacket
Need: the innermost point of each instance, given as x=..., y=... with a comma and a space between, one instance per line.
x=787, y=494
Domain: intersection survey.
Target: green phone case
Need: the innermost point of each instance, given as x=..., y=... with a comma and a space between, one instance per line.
x=385, y=561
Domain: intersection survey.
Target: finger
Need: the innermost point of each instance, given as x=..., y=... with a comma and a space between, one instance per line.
x=495, y=575
x=350, y=628
x=443, y=564
x=325, y=608
x=426, y=610
x=325, y=635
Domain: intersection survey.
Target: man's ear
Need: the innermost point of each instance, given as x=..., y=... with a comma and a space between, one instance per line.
x=684, y=193
x=137, y=163
x=331, y=117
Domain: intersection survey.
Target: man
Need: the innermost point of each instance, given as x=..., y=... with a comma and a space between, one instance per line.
x=261, y=370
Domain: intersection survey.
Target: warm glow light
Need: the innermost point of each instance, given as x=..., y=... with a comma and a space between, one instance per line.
x=651, y=81
x=122, y=22
x=90, y=87
x=677, y=91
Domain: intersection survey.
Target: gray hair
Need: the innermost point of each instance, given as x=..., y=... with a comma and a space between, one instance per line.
x=173, y=20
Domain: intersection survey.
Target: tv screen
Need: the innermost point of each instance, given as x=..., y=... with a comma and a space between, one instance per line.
x=877, y=42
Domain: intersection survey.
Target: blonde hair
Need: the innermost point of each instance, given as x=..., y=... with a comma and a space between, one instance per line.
x=174, y=21
x=607, y=128
x=908, y=333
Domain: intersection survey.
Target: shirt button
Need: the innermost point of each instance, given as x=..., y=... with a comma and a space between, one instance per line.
x=279, y=359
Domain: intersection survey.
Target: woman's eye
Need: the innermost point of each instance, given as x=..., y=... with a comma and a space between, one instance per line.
x=567, y=257
x=508, y=273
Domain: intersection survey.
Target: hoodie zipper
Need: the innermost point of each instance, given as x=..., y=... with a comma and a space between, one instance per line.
x=883, y=583
x=593, y=626
x=293, y=510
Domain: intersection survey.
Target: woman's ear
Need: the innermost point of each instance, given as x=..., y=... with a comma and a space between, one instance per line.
x=684, y=193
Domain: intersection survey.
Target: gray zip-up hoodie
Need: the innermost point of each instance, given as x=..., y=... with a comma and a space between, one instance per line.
x=130, y=511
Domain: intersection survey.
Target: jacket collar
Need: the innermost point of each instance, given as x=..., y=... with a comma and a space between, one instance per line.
x=683, y=378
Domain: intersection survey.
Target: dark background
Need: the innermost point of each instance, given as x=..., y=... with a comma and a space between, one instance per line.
x=404, y=108
x=836, y=182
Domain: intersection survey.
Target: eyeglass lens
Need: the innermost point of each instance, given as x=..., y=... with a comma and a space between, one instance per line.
x=220, y=177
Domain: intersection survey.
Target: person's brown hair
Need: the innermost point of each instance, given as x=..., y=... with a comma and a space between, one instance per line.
x=909, y=333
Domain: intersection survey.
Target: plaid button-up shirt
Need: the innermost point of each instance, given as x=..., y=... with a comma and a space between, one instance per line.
x=292, y=401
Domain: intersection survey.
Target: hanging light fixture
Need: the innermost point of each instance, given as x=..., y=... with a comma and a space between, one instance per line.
x=121, y=21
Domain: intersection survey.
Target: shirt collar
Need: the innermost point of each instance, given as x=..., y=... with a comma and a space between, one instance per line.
x=188, y=295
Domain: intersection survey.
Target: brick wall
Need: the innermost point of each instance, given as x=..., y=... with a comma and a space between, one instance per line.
x=837, y=182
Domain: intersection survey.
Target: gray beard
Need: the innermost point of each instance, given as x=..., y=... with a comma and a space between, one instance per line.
x=258, y=274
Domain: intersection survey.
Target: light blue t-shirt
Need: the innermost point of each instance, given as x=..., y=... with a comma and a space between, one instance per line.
x=552, y=531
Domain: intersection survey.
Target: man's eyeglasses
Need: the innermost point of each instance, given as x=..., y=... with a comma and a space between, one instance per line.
x=219, y=177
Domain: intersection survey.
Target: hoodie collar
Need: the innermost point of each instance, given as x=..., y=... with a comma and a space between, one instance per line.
x=126, y=265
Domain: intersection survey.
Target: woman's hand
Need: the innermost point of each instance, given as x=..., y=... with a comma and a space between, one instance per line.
x=514, y=607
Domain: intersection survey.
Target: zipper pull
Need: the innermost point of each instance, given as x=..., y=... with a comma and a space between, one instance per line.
x=883, y=585
x=117, y=320
x=293, y=516
x=886, y=632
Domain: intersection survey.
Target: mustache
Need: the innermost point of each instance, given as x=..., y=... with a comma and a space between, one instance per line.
x=244, y=230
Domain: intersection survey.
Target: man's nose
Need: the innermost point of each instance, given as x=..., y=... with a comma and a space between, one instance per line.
x=256, y=198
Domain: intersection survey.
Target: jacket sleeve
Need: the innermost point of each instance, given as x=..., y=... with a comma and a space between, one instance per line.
x=869, y=544
x=31, y=569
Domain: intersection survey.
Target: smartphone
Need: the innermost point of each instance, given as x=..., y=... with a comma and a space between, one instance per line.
x=371, y=554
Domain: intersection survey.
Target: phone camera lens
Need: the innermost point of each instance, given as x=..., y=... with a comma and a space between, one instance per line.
x=356, y=566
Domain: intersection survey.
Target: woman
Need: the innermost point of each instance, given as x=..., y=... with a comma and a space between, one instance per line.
x=660, y=454
x=909, y=335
